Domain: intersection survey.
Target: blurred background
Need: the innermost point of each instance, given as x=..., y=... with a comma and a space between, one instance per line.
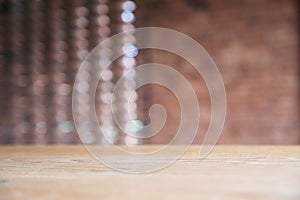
x=255, y=44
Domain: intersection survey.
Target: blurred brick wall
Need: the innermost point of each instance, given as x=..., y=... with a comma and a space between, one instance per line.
x=255, y=46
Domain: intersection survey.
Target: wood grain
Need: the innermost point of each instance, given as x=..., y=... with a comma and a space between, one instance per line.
x=229, y=172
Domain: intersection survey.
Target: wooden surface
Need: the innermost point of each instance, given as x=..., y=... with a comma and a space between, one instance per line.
x=229, y=172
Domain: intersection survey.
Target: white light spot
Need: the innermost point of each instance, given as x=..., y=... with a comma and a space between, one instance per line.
x=130, y=50
x=128, y=62
x=127, y=16
x=129, y=5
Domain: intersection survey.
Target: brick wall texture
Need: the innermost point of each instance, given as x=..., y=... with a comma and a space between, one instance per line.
x=255, y=46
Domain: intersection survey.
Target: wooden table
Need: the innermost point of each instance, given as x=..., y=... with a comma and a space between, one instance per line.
x=229, y=172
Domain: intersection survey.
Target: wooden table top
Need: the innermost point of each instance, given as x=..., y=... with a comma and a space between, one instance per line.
x=229, y=172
